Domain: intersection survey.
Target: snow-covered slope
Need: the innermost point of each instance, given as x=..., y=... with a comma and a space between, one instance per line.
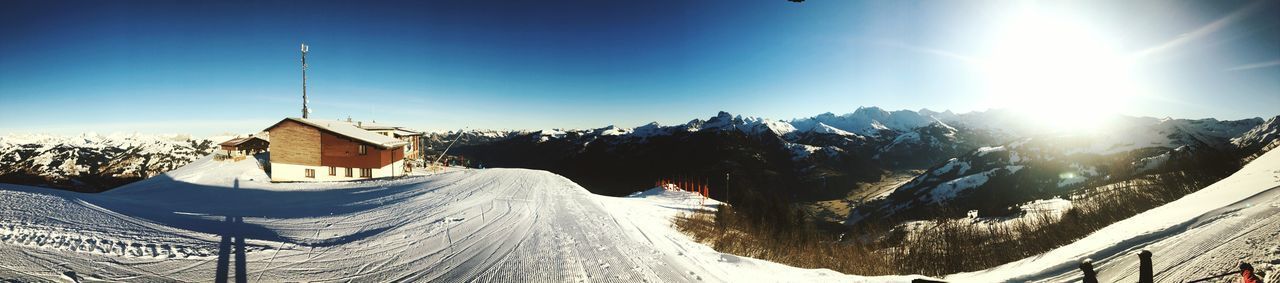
x=215, y=220
x=647, y=215
x=1202, y=234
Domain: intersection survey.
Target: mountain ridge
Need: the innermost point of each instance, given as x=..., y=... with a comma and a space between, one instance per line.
x=93, y=162
x=821, y=156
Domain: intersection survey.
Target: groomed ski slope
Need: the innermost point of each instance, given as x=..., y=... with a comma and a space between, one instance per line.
x=1202, y=234
x=215, y=221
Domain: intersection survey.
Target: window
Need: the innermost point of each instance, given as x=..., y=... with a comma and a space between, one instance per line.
x=366, y=172
x=364, y=150
x=348, y=172
x=333, y=171
x=311, y=173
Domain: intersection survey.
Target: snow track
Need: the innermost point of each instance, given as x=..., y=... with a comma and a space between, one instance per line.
x=221, y=221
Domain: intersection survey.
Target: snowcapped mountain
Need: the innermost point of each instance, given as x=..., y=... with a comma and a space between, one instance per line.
x=930, y=144
x=869, y=121
x=988, y=161
x=992, y=179
x=1260, y=139
x=751, y=125
x=915, y=139
x=93, y=162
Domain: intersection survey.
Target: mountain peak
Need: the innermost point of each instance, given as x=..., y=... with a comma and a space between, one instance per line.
x=823, y=128
x=870, y=111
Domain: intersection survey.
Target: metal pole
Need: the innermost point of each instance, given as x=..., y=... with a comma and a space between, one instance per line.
x=305, y=111
x=446, y=149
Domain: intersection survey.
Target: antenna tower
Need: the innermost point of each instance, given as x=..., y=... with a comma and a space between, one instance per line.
x=305, y=111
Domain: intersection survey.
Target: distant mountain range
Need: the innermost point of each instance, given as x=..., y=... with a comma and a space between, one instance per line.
x=987, y=161
x=93, y=162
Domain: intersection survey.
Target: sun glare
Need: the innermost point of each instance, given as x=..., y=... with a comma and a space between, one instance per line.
x=1059, y=72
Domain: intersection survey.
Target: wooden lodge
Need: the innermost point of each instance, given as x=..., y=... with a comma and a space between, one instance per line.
x=330, y=150
x=245, y=146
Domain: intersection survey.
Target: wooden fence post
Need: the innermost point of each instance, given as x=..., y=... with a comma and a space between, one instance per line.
x=1090, y=276
x=1145, y=274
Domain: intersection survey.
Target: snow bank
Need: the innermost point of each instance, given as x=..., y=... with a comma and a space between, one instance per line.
x=646, y=216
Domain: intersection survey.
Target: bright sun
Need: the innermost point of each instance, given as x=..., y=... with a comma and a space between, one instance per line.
x=1058, y=72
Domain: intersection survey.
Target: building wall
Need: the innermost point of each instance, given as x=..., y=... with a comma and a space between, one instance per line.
x=283, y=172
x=338, y=151
x=412, y=150
x=295, y=143
x=395, y=154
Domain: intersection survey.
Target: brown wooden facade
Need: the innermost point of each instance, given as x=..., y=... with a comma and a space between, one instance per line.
x=338, y=151
x=295, y=143
x=301, y=144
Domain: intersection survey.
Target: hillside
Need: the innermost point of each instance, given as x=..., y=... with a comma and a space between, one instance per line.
x=1202, y=234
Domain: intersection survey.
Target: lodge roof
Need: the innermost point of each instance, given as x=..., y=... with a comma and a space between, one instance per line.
x=398, y=131
x=373, y=126
x=348, y=130
x=241, y=140
x=406, y=132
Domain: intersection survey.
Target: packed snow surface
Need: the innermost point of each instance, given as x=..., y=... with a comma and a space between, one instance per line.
x=215, y=220
x=1202, y=234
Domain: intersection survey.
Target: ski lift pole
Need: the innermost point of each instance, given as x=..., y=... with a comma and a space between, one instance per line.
x=702, y=191
x=446, y=148
x=726, y=187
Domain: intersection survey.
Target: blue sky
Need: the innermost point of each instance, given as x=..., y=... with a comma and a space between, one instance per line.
x=227, y=66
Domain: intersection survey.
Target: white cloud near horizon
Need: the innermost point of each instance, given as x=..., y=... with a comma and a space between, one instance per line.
x=197, y=128
x=1259, y=65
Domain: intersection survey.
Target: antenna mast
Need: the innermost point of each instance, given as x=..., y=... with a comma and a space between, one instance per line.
x=305, y=111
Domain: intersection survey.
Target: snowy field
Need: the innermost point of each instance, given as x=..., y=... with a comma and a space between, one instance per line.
x=215, y=221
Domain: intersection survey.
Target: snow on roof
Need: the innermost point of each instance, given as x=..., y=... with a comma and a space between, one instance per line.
x=404, y=132
x=240, y=140
x=373, y=126
x=349, y=130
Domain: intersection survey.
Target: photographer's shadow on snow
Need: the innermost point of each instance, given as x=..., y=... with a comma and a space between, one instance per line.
x=226, y=249
x=222, y=210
